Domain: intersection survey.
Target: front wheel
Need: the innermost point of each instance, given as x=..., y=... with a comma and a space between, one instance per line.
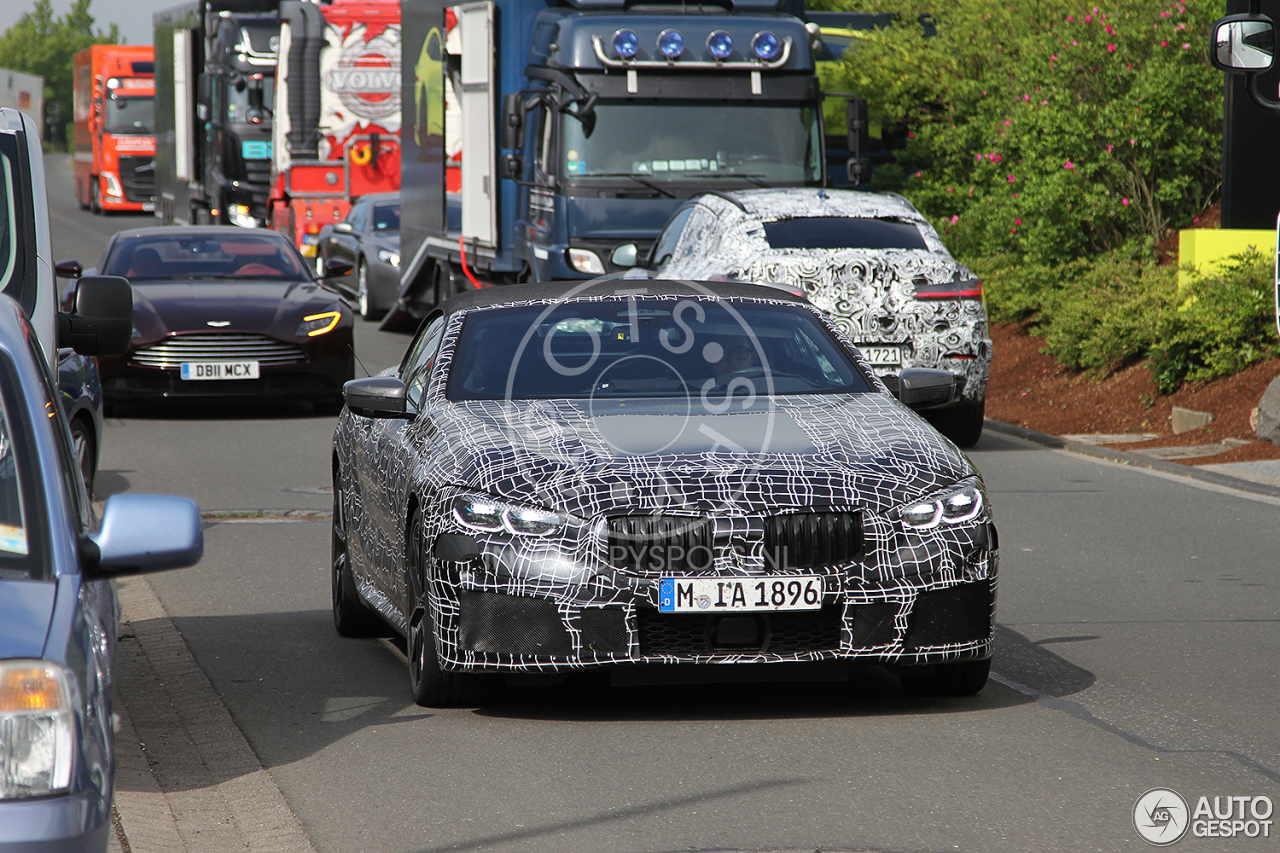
x=432, y=687
x=950, y=679
x=82, y=443
x=962, y=424
x=351, y=616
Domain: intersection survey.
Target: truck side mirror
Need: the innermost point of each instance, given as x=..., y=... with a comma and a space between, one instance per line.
x=102, y=322
x=513, y=112
x=858, y=140
x=1243, y=43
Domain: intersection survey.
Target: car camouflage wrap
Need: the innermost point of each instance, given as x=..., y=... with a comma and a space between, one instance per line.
x=601, y=511
x=921, y=299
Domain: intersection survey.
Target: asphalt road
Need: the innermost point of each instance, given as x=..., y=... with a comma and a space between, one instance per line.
x=1137, y=649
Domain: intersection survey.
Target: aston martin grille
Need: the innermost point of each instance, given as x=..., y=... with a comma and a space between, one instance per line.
x=233, y=347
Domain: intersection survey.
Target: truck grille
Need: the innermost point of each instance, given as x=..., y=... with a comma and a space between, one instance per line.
x=173, y=352
x=138, y=178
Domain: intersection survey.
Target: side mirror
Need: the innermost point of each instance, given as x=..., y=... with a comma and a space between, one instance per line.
x=102, y=322
x=1243, y=43
x=343, y=228
x=626, y=255
x=67, y=269
x=145, y=533
x=336, y=268
x=925, y=388
x=376, y=397
x=858, y=139
x=513, y=112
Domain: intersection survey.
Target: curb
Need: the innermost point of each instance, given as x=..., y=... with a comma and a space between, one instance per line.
x=1137, y=460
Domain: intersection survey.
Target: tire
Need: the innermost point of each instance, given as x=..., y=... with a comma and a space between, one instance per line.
x=364, y=296
x=962, y=424
x=431, y=686
x=95, y=195
x=351, y=616
x=950, y=679
x=82, y=442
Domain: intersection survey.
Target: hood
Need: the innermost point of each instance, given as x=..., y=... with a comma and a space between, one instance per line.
x=26, y=608
x=587, y=457
x=181, y=306
x=621, y=219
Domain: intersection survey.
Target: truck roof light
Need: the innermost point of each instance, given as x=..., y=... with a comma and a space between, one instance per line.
x=626, y=43
x=765, y=45
x=720, y=44
x=670, y=43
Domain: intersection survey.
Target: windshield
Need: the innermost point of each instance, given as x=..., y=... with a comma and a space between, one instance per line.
x=648, y=348
x=239, y=256
x=254, y=103
x=762, y=143
x=829, y=232
x=132, y=114
x=20, y=541
x=386, y=218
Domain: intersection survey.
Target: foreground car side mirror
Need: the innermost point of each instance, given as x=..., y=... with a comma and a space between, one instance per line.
x=335, y=268
x=144, y=533
x=376, y=397
x=102, y=322
x=1243, y=43
x=926, y=388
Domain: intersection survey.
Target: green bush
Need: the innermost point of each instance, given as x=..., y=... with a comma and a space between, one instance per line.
x=1104, y=313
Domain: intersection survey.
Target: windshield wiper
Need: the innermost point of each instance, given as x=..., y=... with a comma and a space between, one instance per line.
x=755, y=179
x=641, y=181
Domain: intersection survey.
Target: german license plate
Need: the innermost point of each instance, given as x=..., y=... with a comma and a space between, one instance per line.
x=882, y=356
x=219, y=370
x=739, y=595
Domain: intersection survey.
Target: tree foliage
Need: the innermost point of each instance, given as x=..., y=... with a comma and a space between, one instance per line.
x=1051, y=129
x=41, y=44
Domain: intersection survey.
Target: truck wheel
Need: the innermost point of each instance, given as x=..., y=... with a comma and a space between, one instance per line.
x=95, y=195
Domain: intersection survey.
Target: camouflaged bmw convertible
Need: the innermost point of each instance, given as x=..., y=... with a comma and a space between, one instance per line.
x=638, y=475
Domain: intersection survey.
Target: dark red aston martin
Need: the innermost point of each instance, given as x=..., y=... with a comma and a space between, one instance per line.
x=223, y=311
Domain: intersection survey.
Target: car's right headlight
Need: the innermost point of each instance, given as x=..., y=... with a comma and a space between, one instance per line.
x=37, y=729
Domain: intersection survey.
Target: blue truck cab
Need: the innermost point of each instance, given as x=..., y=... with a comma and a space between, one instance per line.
x=541, y=135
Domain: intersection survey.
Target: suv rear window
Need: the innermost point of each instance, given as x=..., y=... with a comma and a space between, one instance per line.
x=842, y=232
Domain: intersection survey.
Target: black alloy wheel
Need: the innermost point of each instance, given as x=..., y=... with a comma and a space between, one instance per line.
x=364, y=299
x=432, y=686
x=351, y=616
x=950, y=679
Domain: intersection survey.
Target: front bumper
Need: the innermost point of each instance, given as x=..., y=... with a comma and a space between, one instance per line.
x=500, y=608
x=73, y=823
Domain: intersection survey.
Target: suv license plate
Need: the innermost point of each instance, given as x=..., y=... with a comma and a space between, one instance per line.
x=739, y=595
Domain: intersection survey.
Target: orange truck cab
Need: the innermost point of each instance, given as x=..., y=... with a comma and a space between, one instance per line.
x=336, y=135
x=114, y=106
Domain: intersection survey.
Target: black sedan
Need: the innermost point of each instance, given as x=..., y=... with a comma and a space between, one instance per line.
x=368, y=239
x=627, y=473
x=58, y=610
x=222, y=311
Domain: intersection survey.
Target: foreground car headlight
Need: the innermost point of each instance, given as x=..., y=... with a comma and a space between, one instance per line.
x=480, y=512
x=37, y=729
x=963, y=502
x=389, y=257
x=318, y=324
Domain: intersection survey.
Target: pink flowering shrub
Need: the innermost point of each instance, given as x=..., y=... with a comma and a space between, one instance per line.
x=1112, y=128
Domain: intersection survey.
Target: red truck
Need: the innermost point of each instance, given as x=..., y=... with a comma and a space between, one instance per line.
x=336, y=135
x=115, y=143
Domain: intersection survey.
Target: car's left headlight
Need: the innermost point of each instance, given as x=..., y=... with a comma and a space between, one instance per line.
x=481, y=512
x=960, y=503
x=319, y=324
x=37, y=729
x=389, y=257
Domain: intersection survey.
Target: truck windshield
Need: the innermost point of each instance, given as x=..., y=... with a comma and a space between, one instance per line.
x=770, y=143
x=133, y=114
